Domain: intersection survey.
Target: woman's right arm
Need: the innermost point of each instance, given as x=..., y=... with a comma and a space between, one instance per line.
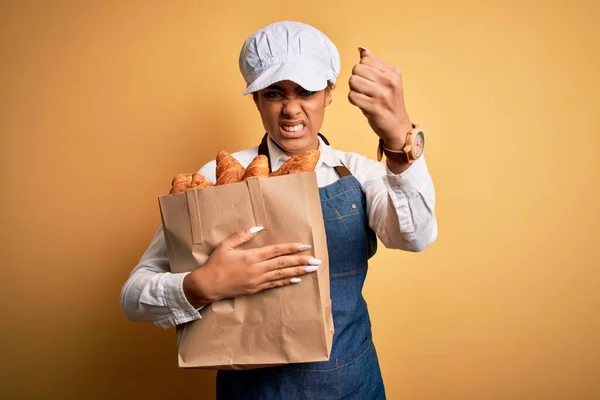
x=152, y=293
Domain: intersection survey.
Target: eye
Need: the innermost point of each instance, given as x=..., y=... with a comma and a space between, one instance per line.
x=272, y=95
x=306, y=93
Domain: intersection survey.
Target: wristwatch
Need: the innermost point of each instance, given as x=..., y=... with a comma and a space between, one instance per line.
x=413, y=147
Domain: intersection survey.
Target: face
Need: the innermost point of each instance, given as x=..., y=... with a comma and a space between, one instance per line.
x=292, y=116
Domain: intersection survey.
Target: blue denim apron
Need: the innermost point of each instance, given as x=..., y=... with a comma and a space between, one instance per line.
x=352, y=371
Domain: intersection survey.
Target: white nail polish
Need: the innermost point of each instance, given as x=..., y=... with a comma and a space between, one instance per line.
x=295, y=280
x=255, y=229
x=314, y=261
x=311, y=268
x=304, y=247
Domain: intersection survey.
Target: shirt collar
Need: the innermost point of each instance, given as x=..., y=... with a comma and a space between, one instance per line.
x=327, y=156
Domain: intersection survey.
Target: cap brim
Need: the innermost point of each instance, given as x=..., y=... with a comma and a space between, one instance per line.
x=309, y=76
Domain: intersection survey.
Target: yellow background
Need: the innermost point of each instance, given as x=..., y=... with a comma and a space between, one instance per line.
x=102, y=103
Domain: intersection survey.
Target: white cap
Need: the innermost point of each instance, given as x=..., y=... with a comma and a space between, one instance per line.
x=289, y=50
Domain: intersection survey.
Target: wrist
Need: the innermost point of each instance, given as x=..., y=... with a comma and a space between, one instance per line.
x=400, y=155
x=397, y=141
x=397, y=166
x=194, y=288
x=393, y=144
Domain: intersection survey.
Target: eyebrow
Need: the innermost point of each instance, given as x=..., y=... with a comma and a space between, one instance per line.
x=277, y=87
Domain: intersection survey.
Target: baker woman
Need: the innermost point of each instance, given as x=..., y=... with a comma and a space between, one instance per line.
x=290, y=69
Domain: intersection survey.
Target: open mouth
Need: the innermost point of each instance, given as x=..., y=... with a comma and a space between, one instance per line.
x=292, y=130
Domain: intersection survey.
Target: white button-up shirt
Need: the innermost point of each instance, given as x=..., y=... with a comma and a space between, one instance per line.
x=400, y=208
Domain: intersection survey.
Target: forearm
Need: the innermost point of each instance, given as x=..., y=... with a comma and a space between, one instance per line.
x=194, y=290
x=153, y=294
x=402, y=208
x=158, y=298
x=398, y=163
x=411, y=223
x=397, y=167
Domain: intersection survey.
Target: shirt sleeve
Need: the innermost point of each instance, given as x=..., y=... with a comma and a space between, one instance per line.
x=152, y=293
x=401, y=207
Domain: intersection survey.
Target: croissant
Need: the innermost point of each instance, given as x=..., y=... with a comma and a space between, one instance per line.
x=258, y=167
x=181, y=178
x=179, y=187
x=302, y=162
x=199, y=181
x=229, y=170
x=180, y=183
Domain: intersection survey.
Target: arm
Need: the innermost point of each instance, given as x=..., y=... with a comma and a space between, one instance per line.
x=152, y=293
x=400, y=196
x=400, y=207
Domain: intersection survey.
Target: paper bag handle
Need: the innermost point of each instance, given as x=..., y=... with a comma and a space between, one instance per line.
x=258, y=208
x=195, y=219
x=258, y=203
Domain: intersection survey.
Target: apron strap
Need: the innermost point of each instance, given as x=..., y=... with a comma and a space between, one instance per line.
x=263, y=149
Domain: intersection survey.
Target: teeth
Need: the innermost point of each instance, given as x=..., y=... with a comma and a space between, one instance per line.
x=296, y=128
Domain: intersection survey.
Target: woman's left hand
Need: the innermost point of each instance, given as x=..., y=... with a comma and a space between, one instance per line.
x=376, y=88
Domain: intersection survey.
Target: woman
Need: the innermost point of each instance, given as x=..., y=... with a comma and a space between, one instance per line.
x=290, y=69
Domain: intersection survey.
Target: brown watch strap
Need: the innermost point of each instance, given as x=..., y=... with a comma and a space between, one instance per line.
x=395, y=155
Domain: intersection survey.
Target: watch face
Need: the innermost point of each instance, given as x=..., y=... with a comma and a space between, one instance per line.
x=418, y=144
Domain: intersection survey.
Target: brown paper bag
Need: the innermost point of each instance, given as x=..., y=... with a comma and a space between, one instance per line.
x=290, y=324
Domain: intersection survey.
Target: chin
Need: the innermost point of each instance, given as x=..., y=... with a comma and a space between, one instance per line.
x=297, y=145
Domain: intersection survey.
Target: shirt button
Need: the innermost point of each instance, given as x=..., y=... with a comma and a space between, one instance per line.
x=353, y=205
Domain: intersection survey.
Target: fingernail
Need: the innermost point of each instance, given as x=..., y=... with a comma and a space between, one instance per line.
x=295, y=280
x=304, y=247
x=311, y=268
x=255, y=229
x=360, y=49
x=314, y=261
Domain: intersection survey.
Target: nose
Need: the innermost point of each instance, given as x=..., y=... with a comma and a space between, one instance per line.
x=291, y=107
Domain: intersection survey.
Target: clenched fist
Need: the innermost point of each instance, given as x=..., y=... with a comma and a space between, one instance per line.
x=376, y=88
